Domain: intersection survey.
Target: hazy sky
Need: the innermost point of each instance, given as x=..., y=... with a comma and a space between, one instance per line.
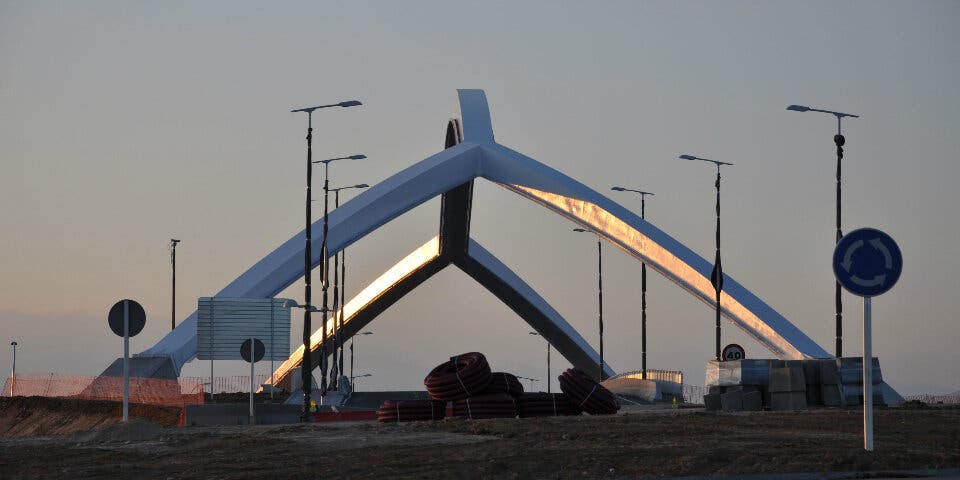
x=123, y=124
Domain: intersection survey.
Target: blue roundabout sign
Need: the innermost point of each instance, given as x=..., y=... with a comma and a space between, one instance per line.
x=867, y=262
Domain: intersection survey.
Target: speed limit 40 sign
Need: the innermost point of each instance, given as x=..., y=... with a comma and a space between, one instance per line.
x=733, y=352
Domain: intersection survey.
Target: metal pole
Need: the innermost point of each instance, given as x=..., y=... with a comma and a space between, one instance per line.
x=173, y=286
x=867, y=376
x=335, y=370
x=306, y=364
x=600, y=299
x=343, y=292
x=126, y=361
x=13, y=372
x=718, y=269
x=326, y=280
x=548, y=367
x=839, y=140
x=351, y=361
x=643, y=302
x=252, y=358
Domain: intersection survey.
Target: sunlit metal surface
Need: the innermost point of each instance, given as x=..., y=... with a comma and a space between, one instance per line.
x=479, y=156
x=546, y=320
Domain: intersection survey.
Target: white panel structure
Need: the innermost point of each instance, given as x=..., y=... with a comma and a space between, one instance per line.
x=225, y=323
x=479, y=156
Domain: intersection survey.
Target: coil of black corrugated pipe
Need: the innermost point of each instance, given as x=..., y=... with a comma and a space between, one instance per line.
x=496, y=405
x=587, y=394
x=395, y=411
x=542, y=404
x=502, y=382
x=462, y=376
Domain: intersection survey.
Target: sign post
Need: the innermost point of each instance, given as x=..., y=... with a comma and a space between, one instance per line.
x=252, y=350
x=126, y=319
x=867, y=262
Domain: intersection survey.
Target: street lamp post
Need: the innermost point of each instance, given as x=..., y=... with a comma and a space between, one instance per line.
x=13, y=371
x=716, y=277
x=339, y=275
x=599, y=293
x=173, y=286
x=643, y=285
x=307, y=257
x=839, y=141
x=548, y=360
x=352, y=339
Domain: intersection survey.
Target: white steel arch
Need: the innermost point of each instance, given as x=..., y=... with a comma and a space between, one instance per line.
x=478, y=155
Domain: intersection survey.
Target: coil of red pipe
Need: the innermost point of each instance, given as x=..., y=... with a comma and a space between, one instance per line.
x=502, y=382
x=587, y=394
x=458, y=378
x=542, y=404
x=393, y=411
x=496, y=405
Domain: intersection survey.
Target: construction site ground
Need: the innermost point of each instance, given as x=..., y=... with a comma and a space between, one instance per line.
x=44, y=438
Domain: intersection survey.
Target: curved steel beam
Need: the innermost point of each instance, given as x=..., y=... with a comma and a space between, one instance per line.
x=479, y=156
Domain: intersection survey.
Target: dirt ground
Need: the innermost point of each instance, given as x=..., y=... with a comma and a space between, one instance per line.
x=637, y=442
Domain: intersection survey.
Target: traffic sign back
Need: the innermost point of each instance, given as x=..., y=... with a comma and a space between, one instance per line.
x=138, y=318
x=867, y=262
x=258, y=350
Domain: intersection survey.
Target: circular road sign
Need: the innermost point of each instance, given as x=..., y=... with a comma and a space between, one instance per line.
x=258, y=350
x=138, y=318
x=867, y=262
x=733, y=352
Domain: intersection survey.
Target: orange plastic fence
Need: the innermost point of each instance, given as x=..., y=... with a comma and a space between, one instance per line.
x=142, y=390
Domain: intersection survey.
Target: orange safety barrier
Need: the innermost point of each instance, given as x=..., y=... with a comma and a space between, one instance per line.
x=152, y=391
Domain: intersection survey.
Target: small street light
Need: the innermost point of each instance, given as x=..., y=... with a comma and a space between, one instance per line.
x=839, y=141
x=352, y=340
x=643, y=285
x=716, y=277
x=13, y=373
x=173, y=287
x=548, y=360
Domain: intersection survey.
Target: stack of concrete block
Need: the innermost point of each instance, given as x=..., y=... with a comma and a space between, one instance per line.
x=787, y=386
x=811, y=374
x=831, y=389
x=851, y=380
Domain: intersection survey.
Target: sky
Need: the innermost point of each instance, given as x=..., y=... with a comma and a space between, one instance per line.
x=125, y=124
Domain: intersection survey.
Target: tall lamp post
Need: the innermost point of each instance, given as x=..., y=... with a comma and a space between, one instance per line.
x=13, y=371
x=352, y=339
x=307, y=257
x=548, y=360
x=643, y=285
x=173, y=286
x=339, y=275
x=599, y=292
x=352, y=384
x=839, y=141
x=716, y=277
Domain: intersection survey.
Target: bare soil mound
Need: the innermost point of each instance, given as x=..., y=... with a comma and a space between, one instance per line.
x=41, y=416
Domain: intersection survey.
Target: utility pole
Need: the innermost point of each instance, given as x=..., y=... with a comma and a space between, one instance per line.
x=173, y=286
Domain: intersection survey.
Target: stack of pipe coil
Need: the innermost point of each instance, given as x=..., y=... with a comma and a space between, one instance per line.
x=503, y=382
x=587, y=394
x=493, y=405
x=545, y=405
x=462, y=376
x=411, y=410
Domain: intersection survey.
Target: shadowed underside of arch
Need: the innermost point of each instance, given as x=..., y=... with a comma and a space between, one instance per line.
x=478, y=155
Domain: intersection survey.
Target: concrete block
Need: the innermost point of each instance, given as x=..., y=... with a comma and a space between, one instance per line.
x=851, y=370
x=782, y=401
x=829, y=372
x=830, y=394
x=814, y=397
x=732, y=401
x=711, y=402
x=787, y=379
x=753, y=401
x=811, y=372
x=716, y=389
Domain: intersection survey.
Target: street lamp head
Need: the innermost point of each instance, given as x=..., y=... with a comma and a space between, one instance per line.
x=798, y=108
x=13, y=344
x=580, y=230
x=618, y=189
x=688, y=157
x=357, y=157
x=534, y=333
x=349, y=103
x=361, y=185
x=174, y=241
x=365, y=333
